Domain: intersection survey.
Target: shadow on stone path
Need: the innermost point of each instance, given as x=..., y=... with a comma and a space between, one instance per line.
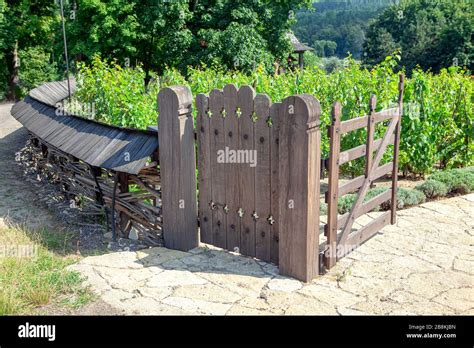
x=422, y=265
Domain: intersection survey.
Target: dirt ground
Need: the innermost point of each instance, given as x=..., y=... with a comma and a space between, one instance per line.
x=20, y=205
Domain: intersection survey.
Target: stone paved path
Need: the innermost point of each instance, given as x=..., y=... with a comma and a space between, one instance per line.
x=423, y=265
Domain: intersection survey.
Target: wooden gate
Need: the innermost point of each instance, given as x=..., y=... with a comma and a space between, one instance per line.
x=257, y=160
x=340, y=244
x=237, y=133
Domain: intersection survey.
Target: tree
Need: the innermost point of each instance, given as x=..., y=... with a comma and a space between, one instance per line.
x=341, y=22
x=154, y=33
x=25, y=25
x=431, y=34
x=234, y=34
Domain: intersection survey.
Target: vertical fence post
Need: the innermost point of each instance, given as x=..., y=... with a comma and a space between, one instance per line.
x=330, y=256
x=177, y=168
x=396, y=150
x=369, y=153
x=300, y=157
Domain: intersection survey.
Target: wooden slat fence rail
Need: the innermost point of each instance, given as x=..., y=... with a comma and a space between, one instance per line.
x=338, y=245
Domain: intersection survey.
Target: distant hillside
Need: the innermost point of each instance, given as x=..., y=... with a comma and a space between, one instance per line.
x=337, y=27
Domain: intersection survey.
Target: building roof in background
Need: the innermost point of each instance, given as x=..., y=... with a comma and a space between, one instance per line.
x=297, y=45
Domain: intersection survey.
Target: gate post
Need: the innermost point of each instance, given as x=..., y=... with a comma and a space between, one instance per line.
x=177, y=168
x=300, y=157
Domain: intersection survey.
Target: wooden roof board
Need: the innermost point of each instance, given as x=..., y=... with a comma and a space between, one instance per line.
x=22, y=111
x=132, y=148
x=113, y=148
x=51, y=93
x=46, y=124
x=69, y=130
x=100, y=142
x=93, y=142
x=78, y=140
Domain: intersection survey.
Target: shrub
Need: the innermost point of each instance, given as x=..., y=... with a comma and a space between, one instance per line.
x=405, y=198
x=437, y=124
x=323, y=209
x=118, y=95
x=345, y=203
x=409, y=197
x=459, y=180
x=433, y=188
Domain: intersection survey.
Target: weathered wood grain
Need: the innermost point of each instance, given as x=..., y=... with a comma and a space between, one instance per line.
x=218, y=179
x=232, y=193
x=396, y=149
x=262, y=178
x=370, y=136
x=333, y=182
x=178, y=168
x=204, y=167
x=246, y=97
x=299, y=187
x=275, y=112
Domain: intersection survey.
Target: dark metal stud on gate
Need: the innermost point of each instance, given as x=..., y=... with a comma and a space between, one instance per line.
x=271, y=220
x=255, y=216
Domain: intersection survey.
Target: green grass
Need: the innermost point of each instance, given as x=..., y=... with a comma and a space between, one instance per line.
x=27, y=284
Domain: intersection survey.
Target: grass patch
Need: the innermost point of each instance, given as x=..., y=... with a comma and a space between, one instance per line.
x=27, y=283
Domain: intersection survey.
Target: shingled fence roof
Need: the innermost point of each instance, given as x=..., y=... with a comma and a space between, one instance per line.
x=98, y=144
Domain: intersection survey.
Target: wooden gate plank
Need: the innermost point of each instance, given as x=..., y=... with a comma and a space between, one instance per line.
x=366, y=232
x=216, y=105
x=370, y=136
x=231, y=130
x=333, y=195
x=262, y=177
x=366, y=207
x=359, y=151
x=204, y=165
x=246, y=97
x=275, y=112
x=396, y=149
x=357, y=182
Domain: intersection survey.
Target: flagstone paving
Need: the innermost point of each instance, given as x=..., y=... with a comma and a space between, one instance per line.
x=422, y=265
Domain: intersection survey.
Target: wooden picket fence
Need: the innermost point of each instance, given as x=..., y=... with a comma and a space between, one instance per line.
x=267, y=207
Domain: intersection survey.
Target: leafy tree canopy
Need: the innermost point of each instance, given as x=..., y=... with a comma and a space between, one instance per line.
x=431, y=34
x=235, y=34
x=337, y=27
